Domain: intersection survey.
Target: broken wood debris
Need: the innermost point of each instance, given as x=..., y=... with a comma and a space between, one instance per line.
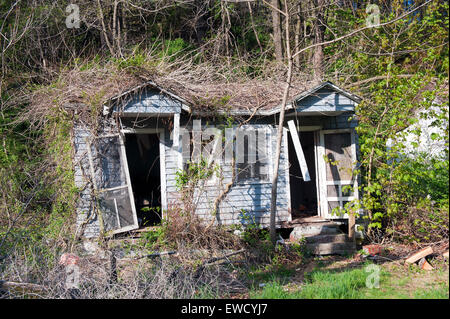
x=423, y=264
x=215, y=259
x=419, y=255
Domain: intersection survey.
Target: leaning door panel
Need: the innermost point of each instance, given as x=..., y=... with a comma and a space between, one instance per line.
x=337, y=160
x=109, y=169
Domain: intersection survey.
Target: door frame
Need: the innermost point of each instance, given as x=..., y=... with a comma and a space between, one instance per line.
x=160, y=132
x=315, y=129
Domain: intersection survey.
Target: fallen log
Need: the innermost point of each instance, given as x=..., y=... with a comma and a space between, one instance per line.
x=419, y=255
x=213, y=260
x=159, y=254
x=25, y=286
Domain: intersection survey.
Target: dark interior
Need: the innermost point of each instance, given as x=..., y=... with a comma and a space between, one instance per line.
x=143, y=164
x=303, y=194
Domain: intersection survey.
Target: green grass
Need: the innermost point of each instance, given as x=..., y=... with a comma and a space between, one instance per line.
x=320, y=284
x=346, y=284
x=437, y=292
x=273, y=290
x=268, y=274
x=351, y=284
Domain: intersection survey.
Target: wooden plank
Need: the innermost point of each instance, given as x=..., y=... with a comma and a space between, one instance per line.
x=162, y=167
x=287, y=181
x=419, y=255
x=176, y=129
x=299, y=151
x=316, y=166
x=351, y=226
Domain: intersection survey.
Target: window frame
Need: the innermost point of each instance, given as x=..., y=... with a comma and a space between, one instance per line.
x=268, y=164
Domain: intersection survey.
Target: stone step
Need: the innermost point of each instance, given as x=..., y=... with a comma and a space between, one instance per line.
x=314, y=230
x=331, y=248
x=334, y=238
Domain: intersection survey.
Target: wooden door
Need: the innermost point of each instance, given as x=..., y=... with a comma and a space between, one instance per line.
x=337, y=163
x=109, y=168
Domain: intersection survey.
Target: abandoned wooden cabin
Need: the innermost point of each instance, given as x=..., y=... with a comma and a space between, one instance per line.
x=127, y=169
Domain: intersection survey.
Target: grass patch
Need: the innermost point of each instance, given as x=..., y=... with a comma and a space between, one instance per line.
x=273, y=290
x=321, y=284
x=439, y=291
x=350, y=283
x=347, y=284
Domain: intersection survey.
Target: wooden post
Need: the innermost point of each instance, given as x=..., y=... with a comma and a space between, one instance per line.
x=351, y=226
x=176, y=129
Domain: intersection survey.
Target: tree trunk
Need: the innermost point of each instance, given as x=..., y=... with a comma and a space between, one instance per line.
x=319, y=32
x=273, y=202
x=276, y=25
x=298, y=27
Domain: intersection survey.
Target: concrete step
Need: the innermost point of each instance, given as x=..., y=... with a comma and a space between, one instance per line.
x=314, y=229
x=334, y=238
x=331, y=248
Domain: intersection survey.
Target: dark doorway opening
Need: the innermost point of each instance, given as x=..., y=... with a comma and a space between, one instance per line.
x=144, y=167
x=303, y=194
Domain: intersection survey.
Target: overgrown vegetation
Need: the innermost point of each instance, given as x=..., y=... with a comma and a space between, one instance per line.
x=219, y=55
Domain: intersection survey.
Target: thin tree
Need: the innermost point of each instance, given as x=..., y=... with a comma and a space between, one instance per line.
x=273, y=202
x=319, y=34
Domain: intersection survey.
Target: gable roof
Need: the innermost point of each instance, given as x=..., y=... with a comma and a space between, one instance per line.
x=294, y=102
x=327, y=84
x=124, y=97
x=251, y=103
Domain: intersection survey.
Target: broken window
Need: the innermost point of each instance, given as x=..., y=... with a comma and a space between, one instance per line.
x=251, y=155
x=206, y=145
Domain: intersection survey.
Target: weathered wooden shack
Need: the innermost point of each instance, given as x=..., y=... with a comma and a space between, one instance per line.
x=127, y=166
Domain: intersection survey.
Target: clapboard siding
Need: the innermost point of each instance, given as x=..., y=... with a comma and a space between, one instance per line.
x=87, y=222
x=252, y=198
x=150, y=102
x=325, y=100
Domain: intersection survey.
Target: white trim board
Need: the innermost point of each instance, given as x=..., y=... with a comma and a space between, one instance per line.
x=299, y=151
